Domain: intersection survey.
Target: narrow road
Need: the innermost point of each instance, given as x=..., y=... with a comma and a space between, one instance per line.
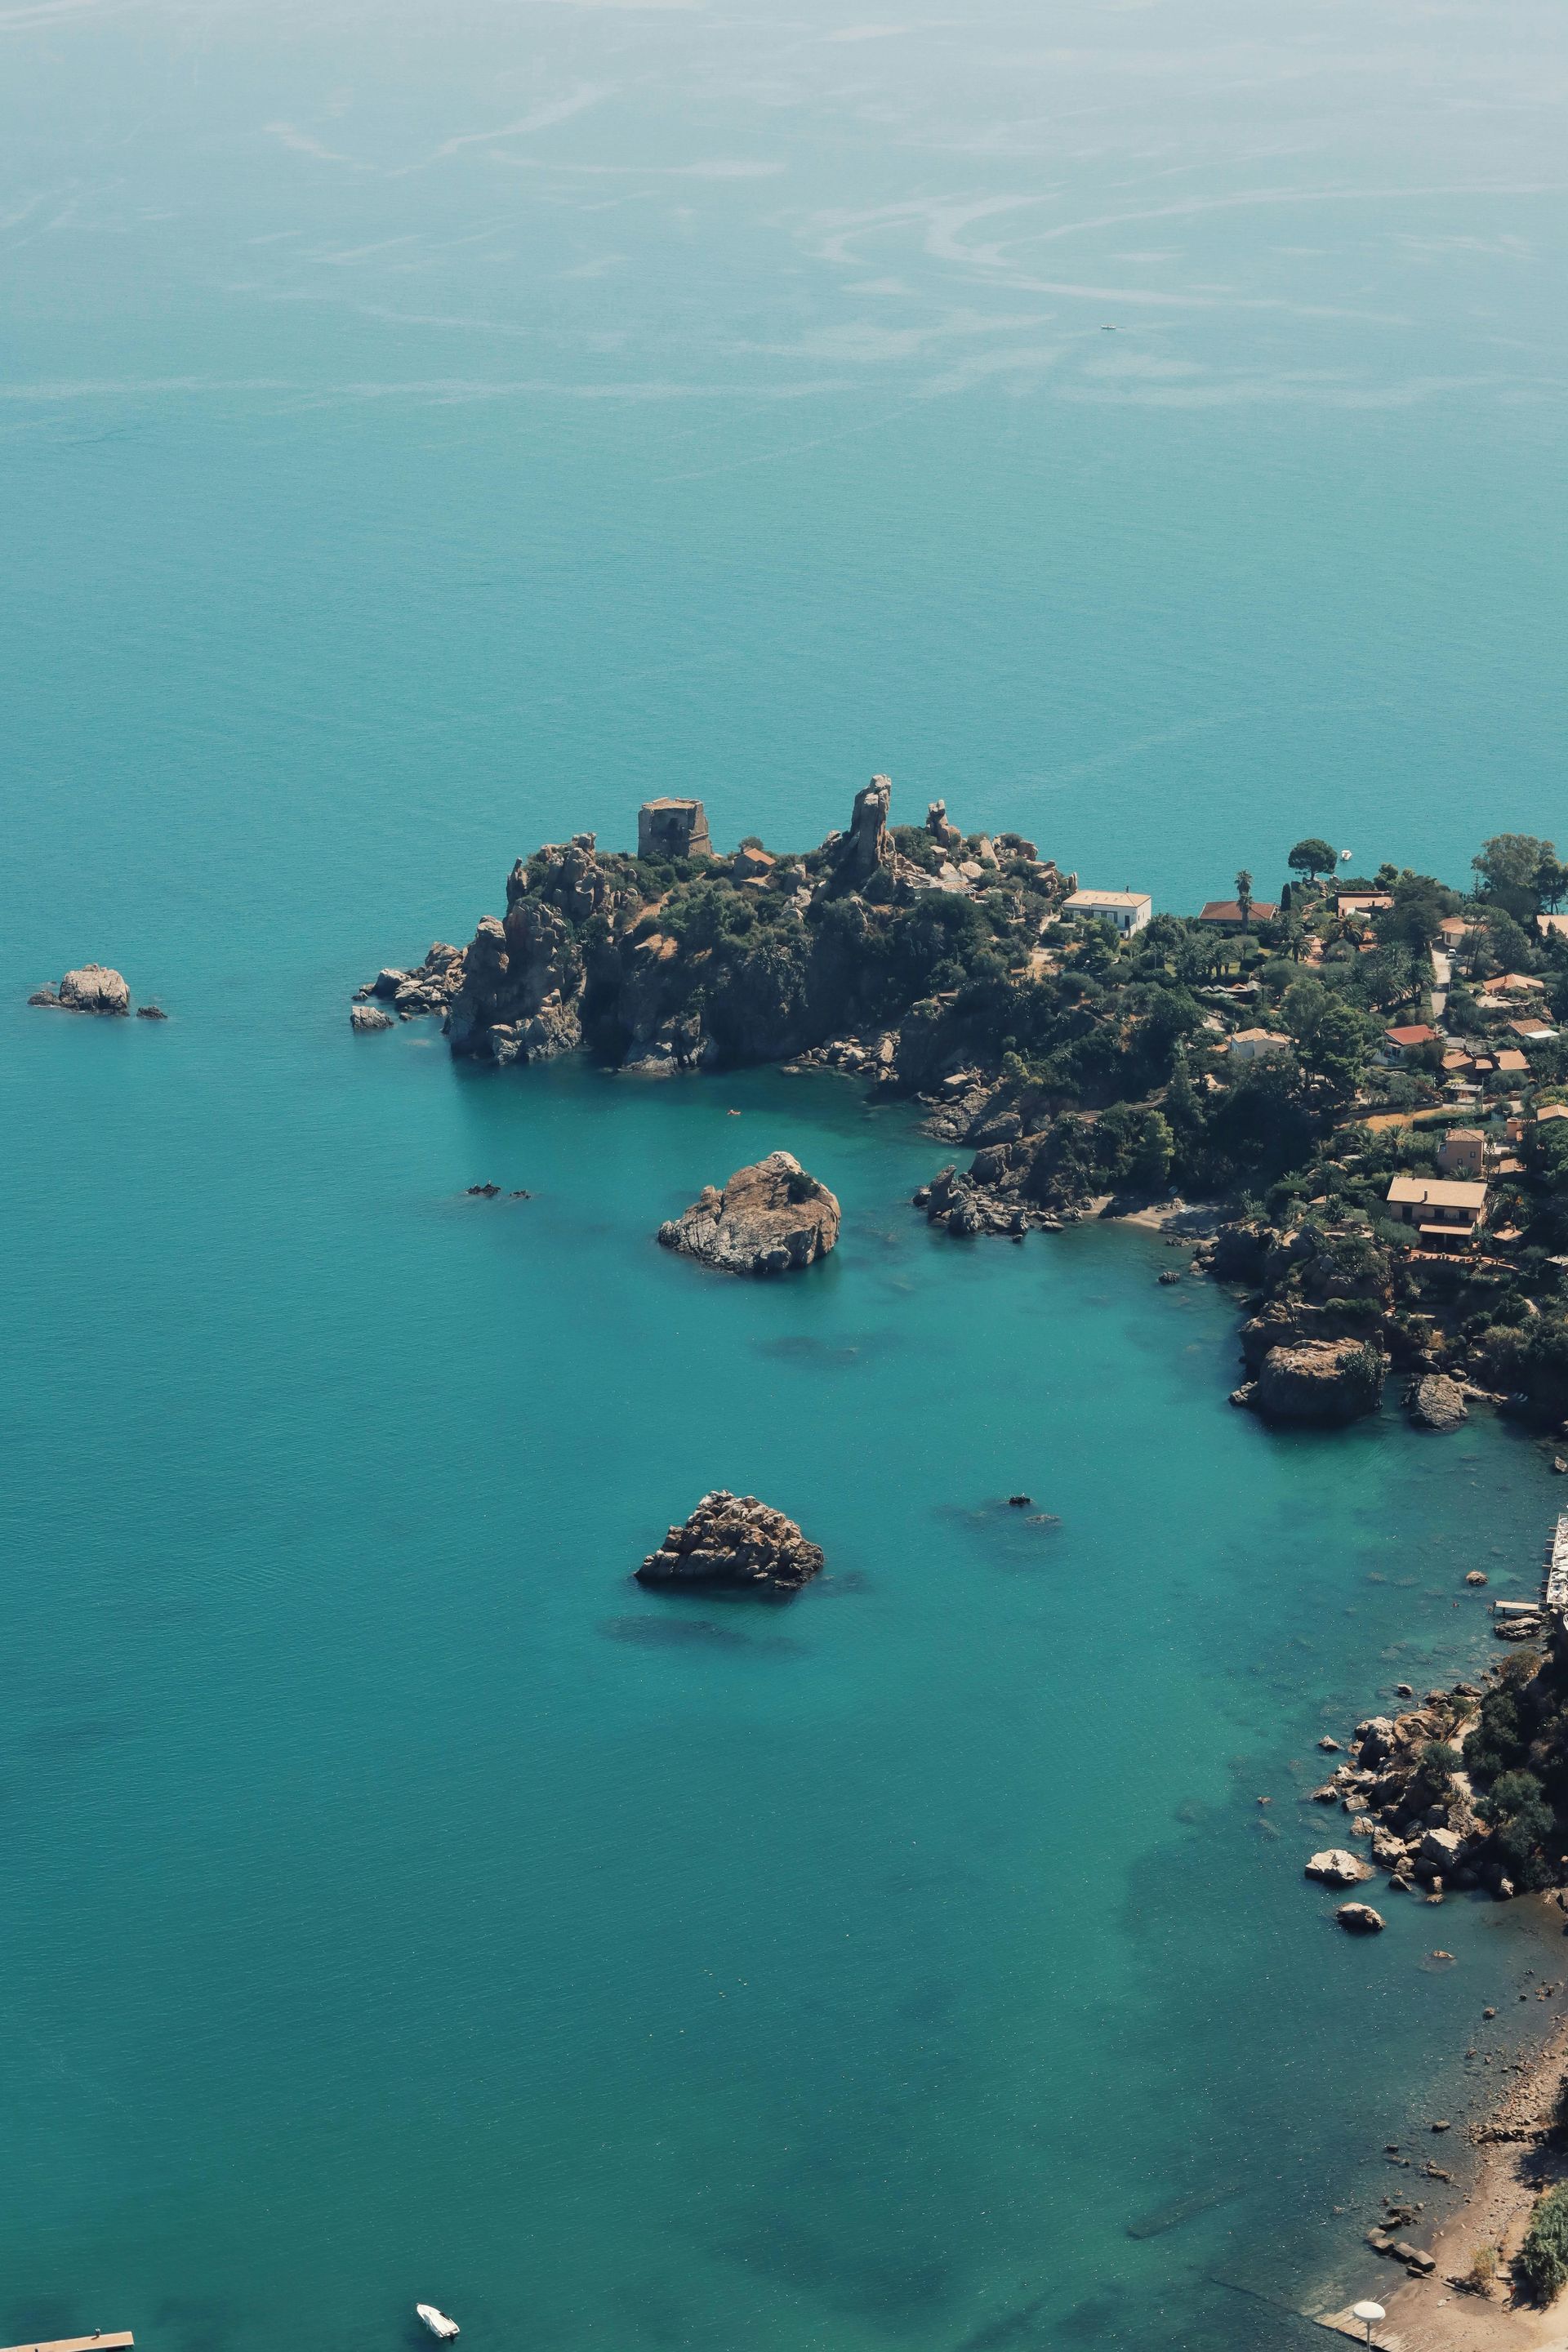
x=1442, y=974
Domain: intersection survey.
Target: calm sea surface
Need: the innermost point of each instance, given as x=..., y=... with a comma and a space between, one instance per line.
x=428, y=432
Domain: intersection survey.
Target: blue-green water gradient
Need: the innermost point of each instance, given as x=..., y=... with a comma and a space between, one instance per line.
x=425, y=433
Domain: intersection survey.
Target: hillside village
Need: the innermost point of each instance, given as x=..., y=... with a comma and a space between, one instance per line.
x=1366, y=1072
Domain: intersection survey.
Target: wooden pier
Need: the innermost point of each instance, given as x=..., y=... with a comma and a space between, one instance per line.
x=101, y=2342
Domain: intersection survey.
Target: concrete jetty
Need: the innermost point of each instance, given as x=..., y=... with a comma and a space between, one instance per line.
x=101, y=2341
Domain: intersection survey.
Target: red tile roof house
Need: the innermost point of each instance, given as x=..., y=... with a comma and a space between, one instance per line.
x=1400, y=1043
x=1224, y=914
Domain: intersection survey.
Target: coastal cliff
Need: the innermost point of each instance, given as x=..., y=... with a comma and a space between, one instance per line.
x=666, y=961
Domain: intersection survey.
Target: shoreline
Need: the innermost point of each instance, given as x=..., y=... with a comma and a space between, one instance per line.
x=1514, y=2163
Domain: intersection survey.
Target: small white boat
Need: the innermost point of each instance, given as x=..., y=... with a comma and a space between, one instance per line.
x=437, y=2321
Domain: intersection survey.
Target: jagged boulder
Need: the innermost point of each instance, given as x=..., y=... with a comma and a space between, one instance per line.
x=1335, y=1867
x=519, y=997
x=1360, y=1920
x=93, y=988
x=734, y=1540
x=771, y=1218
x=1435, y=1402
x=365, y=1017
x=429, y=988
x=1321, y=1384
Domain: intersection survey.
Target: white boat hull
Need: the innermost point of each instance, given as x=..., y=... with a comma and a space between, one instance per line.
x=437, y=2321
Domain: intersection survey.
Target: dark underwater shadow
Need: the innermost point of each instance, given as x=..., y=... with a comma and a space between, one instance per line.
x=1008, y=1534
x=684, y=1633
x=811, y=1354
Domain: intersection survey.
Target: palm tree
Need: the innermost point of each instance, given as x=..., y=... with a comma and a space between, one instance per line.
x=1244, y=900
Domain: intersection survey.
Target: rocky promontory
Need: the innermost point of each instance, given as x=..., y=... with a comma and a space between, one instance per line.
x=92, y=988
x=768, y=1219
x=733, y=1540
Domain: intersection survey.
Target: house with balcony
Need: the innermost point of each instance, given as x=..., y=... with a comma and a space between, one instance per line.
x=1445, y=1212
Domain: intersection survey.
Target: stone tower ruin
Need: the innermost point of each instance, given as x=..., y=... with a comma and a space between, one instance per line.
x=670, y=828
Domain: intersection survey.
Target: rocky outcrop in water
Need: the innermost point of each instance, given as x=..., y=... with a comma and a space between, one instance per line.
x=93, y=988
x=1435, y=1402
x=771, y=1218
x=1323, y=1383
x=1335, y=1867
x=735, y=1541
x=363, y=1018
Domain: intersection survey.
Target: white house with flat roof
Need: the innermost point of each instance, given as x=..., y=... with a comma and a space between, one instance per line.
x=1253, y=1045
x=1127, y=910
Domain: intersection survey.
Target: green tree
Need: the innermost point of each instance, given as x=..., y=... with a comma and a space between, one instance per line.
x=1420, y=903
x=1509, y=865
x=1098, y=952
x=1155, y=1150
x=1302, y=1006
x=1551, y=882
x=1340, y=1049
x=1542, y=2260
x=1311, y=857
x=1183, y=1110
x=1244, y=900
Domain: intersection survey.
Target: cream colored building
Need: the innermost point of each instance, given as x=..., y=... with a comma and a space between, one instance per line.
x=1255, y=1045
x=1127, y=910
x=1444, y=1211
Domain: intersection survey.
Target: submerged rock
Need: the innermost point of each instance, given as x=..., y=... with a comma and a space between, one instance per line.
x=93, y=988
x=771, y=1218
x=733, y=1540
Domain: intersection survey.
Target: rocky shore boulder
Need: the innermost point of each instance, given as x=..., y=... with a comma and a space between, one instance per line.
x=734, y=1540
x=1335, y=1867
x=1435, y=1402
x=769, y=1219
x=1321, y=1384
x=1360, y=1920
x=94, y=988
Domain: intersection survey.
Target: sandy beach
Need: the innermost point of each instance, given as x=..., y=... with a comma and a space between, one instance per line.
x=1514, y=2164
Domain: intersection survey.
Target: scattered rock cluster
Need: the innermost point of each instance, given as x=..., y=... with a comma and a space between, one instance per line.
x=771, y=1218
x=429, y=988
x=734, y=1540
x=1416, y=1811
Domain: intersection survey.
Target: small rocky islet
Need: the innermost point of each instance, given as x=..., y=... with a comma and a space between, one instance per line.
x=770, y=1218
x=735, y=1543
x=94, y=988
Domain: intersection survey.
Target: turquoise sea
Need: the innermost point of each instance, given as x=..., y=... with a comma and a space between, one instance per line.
x=426, y=431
